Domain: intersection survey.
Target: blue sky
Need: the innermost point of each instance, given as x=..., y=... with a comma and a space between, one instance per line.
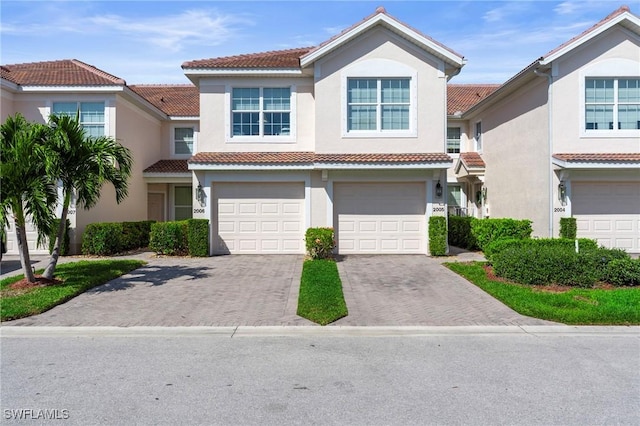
x=147, y=41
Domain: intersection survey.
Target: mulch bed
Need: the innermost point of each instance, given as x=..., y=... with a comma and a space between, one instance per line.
x=545, y=288
x=40, y=282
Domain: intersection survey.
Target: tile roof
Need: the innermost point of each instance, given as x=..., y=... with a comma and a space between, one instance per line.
x=382, y=158
x=612, y=15
x=289, y=58
x=310, y=158
x=472, y=160
x=174, y=100
x=252, y=158
x=66, y=72
x=461, y=97
x=168, y=166
x=598, y=157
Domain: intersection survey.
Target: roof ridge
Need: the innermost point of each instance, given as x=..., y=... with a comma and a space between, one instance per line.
x=162, y=85
x=474, y=84
x=99, y=72
x=250, y=55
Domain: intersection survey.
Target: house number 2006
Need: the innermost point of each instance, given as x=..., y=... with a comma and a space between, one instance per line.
x=198, y=210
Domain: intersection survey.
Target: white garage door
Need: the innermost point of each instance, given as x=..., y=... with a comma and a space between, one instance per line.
x=259, y=217
x=380, y=217
x=608, y=212
x=32, y=238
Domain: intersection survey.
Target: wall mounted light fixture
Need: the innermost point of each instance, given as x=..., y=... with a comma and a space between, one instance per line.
x=438, y=189
x=562, y=191
x=484, y=193
x=200, y=195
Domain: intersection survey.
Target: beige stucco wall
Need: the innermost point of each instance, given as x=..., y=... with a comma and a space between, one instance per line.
x=515, y=150
x=215, y=115
x=613, y=54
x=6, y=104
x=141, y=133
x=375, y=54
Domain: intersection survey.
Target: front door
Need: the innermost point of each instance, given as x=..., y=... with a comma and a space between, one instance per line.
x=155, y=206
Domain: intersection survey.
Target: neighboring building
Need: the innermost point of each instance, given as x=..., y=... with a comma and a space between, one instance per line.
x=562, y=138
x=364, y=134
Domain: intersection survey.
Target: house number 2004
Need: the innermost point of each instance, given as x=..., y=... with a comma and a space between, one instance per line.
x=198, y=210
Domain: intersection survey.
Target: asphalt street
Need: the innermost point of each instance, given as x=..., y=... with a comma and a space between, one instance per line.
x=288, y=375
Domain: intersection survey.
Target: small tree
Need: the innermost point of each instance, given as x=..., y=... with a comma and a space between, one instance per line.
x=83, y=164
x=26, y=192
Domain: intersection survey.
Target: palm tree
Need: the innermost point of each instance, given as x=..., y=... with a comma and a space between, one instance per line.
x=82, y=164
x=26, y=190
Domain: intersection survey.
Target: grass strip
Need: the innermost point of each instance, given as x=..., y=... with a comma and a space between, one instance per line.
x=618, y=306
x=321, y=299
x=78, y=277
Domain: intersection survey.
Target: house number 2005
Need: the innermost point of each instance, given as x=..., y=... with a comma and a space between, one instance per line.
x=198, y=210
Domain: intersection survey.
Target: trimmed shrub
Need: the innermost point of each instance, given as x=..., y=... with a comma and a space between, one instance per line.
x=460, y=232
x=66, y=242
x=102, y=239
x=135, y=234
x=486, y=231
x=198, y=237
x=554, y=262
x=561, y=243
x=623, y=272
x=568, y=227
x=170, y=238
x=438, y=235
x=319, y=242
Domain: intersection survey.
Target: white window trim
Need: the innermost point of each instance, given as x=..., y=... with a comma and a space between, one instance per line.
x=380, y=69
x=453, y=154
x=229, y=138
x=107, y=105
x=172, y=140
x=478, y=146
x=615, y=68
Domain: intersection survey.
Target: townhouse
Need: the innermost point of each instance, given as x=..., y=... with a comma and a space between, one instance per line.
x=365, y=134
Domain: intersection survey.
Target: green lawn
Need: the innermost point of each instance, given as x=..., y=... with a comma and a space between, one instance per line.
x=78, y=277
x=321, y=299
x=618, y=306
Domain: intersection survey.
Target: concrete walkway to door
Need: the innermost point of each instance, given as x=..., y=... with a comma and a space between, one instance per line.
x=403, y=290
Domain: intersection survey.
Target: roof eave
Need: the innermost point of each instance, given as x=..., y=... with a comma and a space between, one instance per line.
x=596, y=165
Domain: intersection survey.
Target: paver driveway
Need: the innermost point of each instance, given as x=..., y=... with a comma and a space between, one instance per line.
x=212, y=291
x=416, y=290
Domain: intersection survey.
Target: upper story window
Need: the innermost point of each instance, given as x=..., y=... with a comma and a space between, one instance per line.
x=258, y=111
x=91, y=115
x=378, y=105
x=183, y=141
x=612, y=103
x=477, y=136
x=453, y=140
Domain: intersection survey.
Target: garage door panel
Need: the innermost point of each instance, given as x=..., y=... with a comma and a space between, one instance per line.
x=380, y=217
x=608, y=212
x=259, y=217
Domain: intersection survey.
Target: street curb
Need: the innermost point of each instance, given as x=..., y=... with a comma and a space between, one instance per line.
x=317, y=331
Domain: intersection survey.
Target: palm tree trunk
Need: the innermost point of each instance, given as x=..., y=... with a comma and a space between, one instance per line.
x=55, y=253
x=23, y=248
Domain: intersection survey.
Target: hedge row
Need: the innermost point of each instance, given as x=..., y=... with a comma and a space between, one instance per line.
x=471, y=233
x=180, y=238
x=460, y=232
x=108, y=238
x=438, y=235
x=548, y=261
x=498, y=246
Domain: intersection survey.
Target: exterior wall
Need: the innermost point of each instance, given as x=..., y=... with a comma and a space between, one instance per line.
x=379, y=50
x=614, y=54
x=141, y=133
x=215, y=115
x=515, y=150
x=6, y=104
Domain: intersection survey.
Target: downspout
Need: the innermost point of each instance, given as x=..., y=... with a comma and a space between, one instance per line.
x=549, y=140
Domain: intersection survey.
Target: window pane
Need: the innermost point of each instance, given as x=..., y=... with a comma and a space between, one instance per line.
x=246, y=99
x=362, y=117
x=183, y=196
x=599, y=90
x=94, y=131
x=455, y=195
x=362, y=91
x=395, y=90
x=395, y=117
x=91, y=112
x=599, y=117
x=453, y=140
x=182, y=213
x=245, y=123
x=629, y=117
x=276, y=123
x=65, y=108
x=277, y=99
x=629, y=90
x=183, y=137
